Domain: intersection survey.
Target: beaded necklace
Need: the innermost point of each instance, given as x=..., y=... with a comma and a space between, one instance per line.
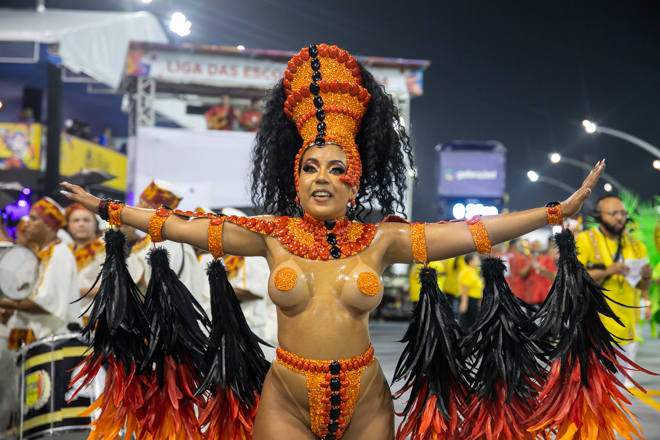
x=84, y=255
x=313, y=239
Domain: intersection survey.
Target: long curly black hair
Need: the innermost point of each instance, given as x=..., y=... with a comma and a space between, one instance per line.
x=382, y=143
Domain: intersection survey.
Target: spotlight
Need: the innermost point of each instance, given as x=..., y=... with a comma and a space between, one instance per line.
x=240, y=47
x=656, y=164
x=179, y=25
x=0, y=104
x=589, y=127
x=146, y=1
x=608, y=187
x=555, y=158
x=533, y=176
x=27, y=191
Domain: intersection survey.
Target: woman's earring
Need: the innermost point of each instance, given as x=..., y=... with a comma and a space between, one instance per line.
x=297, y=201
x=353, y=203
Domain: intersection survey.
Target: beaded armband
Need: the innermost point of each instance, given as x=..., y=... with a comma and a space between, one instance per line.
x=214, y=239
x=418, y=243
x=159, y=218
x=479, y=234
x=114, y=213
x=553, y=211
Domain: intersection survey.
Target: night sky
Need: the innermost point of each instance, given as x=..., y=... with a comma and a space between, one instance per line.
x=522, y=73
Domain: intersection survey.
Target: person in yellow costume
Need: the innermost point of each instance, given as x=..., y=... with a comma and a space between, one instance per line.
x=453, y=268
x=472, y=287
x=604, y=251
x=415, y=286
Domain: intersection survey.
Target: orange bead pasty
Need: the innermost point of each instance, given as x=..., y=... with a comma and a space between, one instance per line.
x=368, y=283
x=285, y=279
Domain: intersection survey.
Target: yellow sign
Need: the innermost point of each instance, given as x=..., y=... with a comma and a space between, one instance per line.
x=20, y=146
x=76, y=154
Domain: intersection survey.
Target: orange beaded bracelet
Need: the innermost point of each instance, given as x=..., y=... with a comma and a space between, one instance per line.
x=555, y=216
x=215, y=237
x=418, y=243
x=479, y=234
x=114, y=213
x=156, y=223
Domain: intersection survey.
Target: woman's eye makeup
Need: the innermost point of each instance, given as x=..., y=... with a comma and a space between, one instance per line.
x=338, y=170
x=309, y=168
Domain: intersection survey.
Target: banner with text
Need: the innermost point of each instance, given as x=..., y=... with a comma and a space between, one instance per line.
x=471, y=174
x=236, y=71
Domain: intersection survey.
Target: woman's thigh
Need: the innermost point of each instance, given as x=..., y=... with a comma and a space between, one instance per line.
x=278, y=415
x=373, y=416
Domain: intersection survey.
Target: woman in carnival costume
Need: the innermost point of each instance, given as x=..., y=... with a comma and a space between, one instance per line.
x=329, y=148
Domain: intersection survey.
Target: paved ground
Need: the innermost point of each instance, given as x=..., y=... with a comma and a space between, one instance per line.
x=645, y=407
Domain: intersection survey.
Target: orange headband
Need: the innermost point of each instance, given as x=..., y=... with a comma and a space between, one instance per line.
x=326, y=101
x=50, y=213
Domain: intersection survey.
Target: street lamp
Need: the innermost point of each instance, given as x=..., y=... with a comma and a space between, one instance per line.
x=558, y=158
x=607, y=187
x=656, y=164
x=592, y=127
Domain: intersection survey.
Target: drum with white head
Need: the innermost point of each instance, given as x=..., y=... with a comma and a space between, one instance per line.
x=19, y=270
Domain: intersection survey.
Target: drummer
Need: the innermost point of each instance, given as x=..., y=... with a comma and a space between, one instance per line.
x=7, y=369
x=51, y=307
x=183, y=259
x=88, y=249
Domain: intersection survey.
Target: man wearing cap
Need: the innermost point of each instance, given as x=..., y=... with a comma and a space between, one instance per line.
x=88, y=249
x=51, y=307
x=183, y=260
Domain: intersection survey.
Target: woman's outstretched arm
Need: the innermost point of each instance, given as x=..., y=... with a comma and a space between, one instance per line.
x=452, y=239
x=236, y=240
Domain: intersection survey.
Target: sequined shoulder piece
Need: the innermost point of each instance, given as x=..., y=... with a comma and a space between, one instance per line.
x=312, y=241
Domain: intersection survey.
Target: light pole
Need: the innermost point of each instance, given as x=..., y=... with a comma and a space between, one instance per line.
x=592, y=127
x=558, y=158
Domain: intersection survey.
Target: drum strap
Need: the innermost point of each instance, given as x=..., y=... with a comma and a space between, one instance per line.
x=19, y=337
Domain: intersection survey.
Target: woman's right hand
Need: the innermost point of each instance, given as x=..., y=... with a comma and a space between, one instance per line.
x=77, y=194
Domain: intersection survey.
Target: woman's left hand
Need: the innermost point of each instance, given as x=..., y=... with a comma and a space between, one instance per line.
x=572, y=205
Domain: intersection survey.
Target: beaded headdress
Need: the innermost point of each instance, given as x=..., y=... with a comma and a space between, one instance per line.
x=326, y=101
x=160, y=192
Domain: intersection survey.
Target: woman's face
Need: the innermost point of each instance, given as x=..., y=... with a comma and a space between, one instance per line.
x=322, y=195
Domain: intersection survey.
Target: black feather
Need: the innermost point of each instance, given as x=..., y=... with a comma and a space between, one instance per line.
x=498, y=346
x=175, y=318
x=570, y=315
x=236, y=360
x=429, y=362
x=116, y=324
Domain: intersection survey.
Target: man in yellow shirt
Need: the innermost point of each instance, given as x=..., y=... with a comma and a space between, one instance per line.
x=604, y=251
x=472, y=287
x=453, y=268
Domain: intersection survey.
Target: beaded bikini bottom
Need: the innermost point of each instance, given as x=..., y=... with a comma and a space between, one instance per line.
x=332, y=389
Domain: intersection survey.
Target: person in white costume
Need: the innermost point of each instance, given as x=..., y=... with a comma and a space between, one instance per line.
x=88, y=249
x=52, y=306
x=7, y=368
x=183, y=259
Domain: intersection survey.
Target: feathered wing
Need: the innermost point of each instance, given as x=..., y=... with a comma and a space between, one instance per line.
x=505, y=363
x=430, y=367
x=117, y=330
x=582, y=397
x=175, y=354
x=236, y=366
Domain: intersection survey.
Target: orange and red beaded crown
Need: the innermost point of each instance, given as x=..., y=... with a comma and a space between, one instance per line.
x=326, y=101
